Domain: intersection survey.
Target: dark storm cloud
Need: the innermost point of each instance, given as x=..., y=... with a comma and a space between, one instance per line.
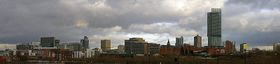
x=126, y=12
x=107, y=14
x=69, y=20
x=27, y=20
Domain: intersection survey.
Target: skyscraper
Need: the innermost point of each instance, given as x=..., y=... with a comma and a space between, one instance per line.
x=214, y=32
x=197, y=41
x=49, y=42
x=85, y=43
x=106, y=45
x=179, y=42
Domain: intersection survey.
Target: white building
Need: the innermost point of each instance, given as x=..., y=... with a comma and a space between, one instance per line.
x=264, y=48
x=77, y=54
x=87, y=54
x=90, y=53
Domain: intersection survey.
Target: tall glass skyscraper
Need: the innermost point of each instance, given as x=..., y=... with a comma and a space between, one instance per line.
x=214, y=28
x=179, y=42
x=85, y=42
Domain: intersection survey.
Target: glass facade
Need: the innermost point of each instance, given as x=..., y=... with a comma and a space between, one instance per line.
x=214, y=27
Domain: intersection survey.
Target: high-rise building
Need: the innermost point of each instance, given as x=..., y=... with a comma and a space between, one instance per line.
x=85, y=43
x=198, y=41
x=179, y=42
x=244, y=47
x=49, y=42
x=214, y=24
x=276, y=47
x=136, y=46
x=106, y=45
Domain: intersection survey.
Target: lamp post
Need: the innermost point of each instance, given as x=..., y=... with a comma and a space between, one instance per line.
x=245, y=60
x=217, y=56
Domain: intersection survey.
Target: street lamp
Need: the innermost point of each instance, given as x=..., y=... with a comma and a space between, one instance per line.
x=217, y=56
x=245, y=61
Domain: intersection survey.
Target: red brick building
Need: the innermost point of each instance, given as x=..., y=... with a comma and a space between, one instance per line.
x=229, y=47
x=210, y=50
x=189, y=47
x=168, y=50
x=216, y=51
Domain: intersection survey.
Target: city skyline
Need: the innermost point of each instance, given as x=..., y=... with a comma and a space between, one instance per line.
x=255, y=23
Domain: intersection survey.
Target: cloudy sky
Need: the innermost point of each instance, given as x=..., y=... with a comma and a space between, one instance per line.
x=256, y=22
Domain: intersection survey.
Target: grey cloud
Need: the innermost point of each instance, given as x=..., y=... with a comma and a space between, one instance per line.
x=257, y=4
x=254, y=22
x=27, y=20
x=171, y=28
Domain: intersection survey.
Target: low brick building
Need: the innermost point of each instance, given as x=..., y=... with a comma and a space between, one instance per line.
x=168, y=50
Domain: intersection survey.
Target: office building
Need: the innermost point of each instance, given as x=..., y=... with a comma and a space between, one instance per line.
x=244, y=47
x=97, y=51
x=121, y=48
x=136, y=46
x=23, y=47
x=62, y=46
x=106, y=45
x=74, y=46
x=198, y=41
x=49, y=42
x=214, y=28
x=276, y=47
x=85, y=43
x=179, y=42
x=27, y=46
x=153, y=48
x=56, y=43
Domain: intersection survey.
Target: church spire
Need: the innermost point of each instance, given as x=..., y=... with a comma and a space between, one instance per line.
x=168, y=43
